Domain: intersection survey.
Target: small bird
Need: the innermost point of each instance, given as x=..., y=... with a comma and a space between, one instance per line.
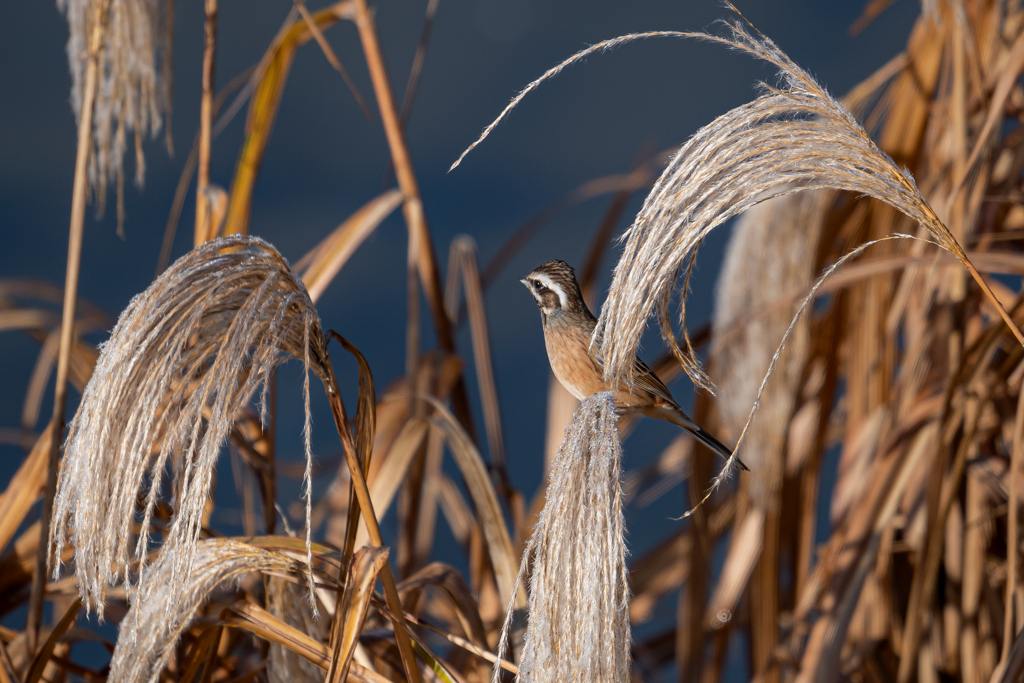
x=568, y=327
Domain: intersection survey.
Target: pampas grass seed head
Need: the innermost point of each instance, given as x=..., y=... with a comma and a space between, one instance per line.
x=185, y=356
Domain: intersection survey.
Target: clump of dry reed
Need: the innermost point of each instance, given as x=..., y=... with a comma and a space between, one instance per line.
x=579, y=591
x=184, y=358
x=133, y=95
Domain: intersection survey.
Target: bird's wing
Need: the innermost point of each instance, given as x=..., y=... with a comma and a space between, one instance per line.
x=643, y=377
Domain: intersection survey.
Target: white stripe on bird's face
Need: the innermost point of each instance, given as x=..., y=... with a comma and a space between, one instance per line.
x=548, y=283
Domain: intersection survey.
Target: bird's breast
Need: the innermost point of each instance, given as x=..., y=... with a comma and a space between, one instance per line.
x=568, y=352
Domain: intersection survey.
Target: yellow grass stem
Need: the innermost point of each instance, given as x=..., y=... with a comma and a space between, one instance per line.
x=202, y=232
x=332, y=58
x=412, y=208
x=67, y=330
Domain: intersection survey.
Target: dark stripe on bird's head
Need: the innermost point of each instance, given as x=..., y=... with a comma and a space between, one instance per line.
x=553, y=285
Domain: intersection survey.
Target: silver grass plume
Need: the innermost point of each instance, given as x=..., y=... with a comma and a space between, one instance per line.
x=578, y=607
x=134, y=90
x=185, y=356
x=157, y=619
x=792, y=138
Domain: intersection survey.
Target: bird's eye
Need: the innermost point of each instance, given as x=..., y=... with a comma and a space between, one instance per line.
x=536, y=283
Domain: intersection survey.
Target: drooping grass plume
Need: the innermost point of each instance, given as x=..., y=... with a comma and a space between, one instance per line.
x=579, y=595
x=161, y=614
x=900, y=369
x=186, y=355
x=134, y=90
x=792, y=138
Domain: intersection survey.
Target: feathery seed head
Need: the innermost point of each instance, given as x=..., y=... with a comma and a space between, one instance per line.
x=160, y=614
x=579, y=594
x=186, y=355
x=134, y=90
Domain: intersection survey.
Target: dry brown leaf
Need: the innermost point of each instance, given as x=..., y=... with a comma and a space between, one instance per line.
x=355, y=602
x=24, y=488
x=320, y=266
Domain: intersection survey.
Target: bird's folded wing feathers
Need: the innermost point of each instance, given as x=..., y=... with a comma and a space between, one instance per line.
x=643, y=377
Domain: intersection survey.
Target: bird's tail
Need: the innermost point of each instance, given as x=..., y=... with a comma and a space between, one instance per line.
x=676, y=416
x=714, y=444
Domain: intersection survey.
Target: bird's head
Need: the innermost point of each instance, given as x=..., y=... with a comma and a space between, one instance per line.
x=554, y=287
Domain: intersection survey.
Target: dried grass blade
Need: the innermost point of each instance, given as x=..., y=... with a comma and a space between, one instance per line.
x=839, y=622
x=333, y=58
x=40, y=378
x=201, y=648
x=185, y=179
x=465, y=644
x=412, y=208
x=1012, y=529
x=259, y=622
x=662, y=570
x=362, y=493
x=392, y=473
x=256, y=620
x=24, y=488
x=202, y=229
x=365, y=431
x=86, y=114
x=26, y=318
x=463, y=253
x=451, y=584
x=320, y=266
x=438, y=666
x=42, y=658
x=1007, y=80
x=744, y=551
x=499, y=543
x=417, y=62
x=925, y=577
x=355, y=602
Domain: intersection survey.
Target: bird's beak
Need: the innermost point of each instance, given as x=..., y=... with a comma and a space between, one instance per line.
x=525, y=282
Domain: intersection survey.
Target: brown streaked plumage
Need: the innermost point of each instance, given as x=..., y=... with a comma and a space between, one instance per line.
x=568, y=327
